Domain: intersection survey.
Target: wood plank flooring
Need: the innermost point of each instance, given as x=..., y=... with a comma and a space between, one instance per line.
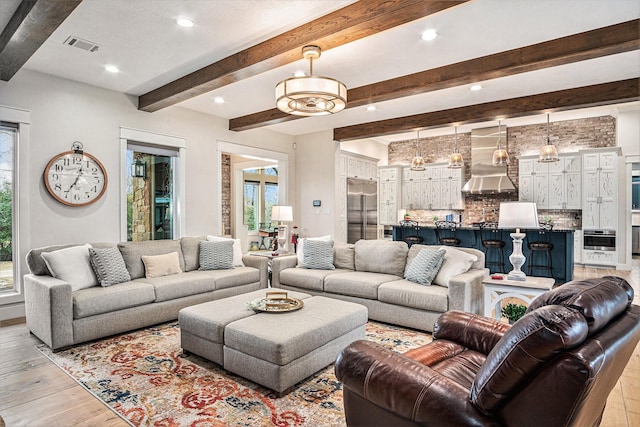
x=34, y=392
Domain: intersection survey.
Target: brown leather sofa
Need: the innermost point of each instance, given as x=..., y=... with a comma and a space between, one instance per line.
x=554, y=367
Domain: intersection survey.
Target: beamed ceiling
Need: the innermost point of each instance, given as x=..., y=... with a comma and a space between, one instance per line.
x=530, y=56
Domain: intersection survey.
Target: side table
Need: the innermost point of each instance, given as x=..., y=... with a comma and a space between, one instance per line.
x=496, y=291
x=270, y=256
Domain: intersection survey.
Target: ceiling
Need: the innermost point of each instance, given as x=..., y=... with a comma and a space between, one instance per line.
x=140, y=37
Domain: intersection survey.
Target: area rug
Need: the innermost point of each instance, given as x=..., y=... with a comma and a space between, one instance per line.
x=144, y=378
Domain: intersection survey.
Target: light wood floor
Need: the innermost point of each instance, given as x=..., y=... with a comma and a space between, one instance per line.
x=34, y=392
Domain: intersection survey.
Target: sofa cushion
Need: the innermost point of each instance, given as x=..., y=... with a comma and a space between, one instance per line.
x=191, y=251
x=216, y=255
x=161, y=265
x=305, y=278
x=300, y=253
x=410, y=294
x=132, y=253
x=109, y=266
x=98, y=300
x=237, y=249
x=424, y=267
x=357, y=283
x=344, y=255
x=180, y=285
x=455, y=262
x=36, y=263
x=381, y=256
x=72, y=265
x=233, y=277
x=318, y=255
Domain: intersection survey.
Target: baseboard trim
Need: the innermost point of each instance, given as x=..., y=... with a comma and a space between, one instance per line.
x=12, y=311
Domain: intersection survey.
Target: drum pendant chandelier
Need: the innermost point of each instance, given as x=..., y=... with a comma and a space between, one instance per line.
x=311, y=95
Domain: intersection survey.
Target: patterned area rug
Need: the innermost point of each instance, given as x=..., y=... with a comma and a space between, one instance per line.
x=143, y=377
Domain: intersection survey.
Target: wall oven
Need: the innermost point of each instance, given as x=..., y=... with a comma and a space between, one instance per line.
x=599, y=240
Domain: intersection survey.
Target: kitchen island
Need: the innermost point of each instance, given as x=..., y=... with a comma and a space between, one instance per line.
x=471, y=237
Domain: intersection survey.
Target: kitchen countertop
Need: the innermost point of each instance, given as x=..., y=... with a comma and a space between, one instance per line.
x=563, y=229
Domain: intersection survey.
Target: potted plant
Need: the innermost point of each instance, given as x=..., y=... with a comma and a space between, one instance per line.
x=513, y=312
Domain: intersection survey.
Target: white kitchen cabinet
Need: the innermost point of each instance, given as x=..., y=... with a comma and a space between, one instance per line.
x=389, y=194
x=599, y=257
x=577, y=247
x=451, y=188
x=600, y=189
x=361, y=166
x=553, y=185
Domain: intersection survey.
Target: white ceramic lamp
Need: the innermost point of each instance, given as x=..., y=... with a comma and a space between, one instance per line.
x=282, y=214
x=518, y=215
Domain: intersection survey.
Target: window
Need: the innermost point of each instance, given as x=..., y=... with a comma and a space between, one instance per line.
x=8, y=148
x=150, y=192
x=260, y=194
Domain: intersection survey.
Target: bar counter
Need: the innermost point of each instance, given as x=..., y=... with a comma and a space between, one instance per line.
x=470, y=236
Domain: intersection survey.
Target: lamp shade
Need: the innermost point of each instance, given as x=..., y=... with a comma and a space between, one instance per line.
x=518, y=215
x=282, y=213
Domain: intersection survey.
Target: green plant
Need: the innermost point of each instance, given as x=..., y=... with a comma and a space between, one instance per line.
x=435, y=217
x=513, y=311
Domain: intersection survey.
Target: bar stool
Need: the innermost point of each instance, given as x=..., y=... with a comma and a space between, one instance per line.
x=540, y=251
x=492, y=245
x=446, y=233
x=413, y=239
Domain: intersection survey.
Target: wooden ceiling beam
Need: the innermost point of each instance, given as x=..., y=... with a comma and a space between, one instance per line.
x=356, y=21
x=29, y=27
x=596, y=43
x=569, y=99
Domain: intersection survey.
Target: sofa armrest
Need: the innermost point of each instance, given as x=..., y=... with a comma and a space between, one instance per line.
x=466, y=292
x=473, y=331
x=279, y=264
x=49, y=309
x=405, y=387
x=262, y=264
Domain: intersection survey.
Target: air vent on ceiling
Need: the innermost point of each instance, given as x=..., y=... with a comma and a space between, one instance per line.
x=82, y=44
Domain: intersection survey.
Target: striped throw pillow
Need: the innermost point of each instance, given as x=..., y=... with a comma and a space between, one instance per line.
x=216, y=255
x=425, y=266
x=109, y=266
x=318, y=255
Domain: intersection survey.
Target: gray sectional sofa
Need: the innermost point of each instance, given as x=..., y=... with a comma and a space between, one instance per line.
x=61, y=316
x=371, y=273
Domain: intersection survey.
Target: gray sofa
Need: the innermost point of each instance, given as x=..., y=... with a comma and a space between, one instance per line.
x=370, y=272
x=61, y=317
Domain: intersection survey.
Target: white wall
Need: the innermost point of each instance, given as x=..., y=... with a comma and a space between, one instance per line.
x=368, y=148
x=63, y=111
x=628, y=138
x=315, y=172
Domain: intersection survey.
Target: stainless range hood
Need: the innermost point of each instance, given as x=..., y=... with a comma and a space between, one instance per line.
x=486, y=178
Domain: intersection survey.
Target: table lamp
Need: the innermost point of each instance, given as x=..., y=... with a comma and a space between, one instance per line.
x=282, y=214
x=518, y=215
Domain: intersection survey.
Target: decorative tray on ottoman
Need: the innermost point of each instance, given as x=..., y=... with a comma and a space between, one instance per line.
x=275, y=302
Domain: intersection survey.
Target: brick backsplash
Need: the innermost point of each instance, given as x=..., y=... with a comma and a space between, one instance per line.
x=226, y=195
x=567, y=136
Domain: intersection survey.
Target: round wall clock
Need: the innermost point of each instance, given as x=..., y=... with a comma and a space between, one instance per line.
x=75, y=178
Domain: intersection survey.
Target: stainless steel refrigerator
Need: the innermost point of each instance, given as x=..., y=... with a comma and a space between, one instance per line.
x=362, y=209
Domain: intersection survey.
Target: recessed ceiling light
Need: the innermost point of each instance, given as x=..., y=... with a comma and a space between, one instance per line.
x=299, y=73
x=112, y=68
x=429, y=35
x=476, y=87
x=371, y=108
x=218, y=100
x=184, y=22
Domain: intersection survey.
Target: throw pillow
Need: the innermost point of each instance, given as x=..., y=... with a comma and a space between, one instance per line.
x=300, y=253
x=237, y=249
x=318, y=254
x=161, y=265
x=217, y=255
x=72, y=266
x=108, y=265
x=455, y=262
x=425, y=266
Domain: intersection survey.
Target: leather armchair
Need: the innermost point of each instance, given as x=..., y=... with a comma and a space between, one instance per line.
x=554, y=367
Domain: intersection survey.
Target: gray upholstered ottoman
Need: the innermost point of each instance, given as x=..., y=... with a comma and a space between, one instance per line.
x=276, y=350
